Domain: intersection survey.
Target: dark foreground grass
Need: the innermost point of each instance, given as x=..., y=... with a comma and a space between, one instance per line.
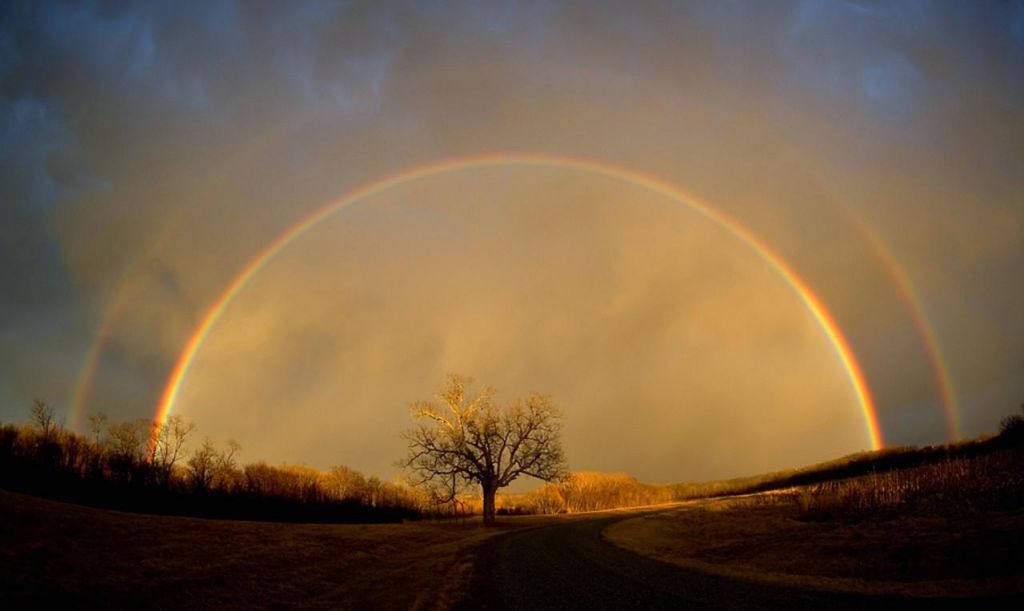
x=976, y=556
x=56, y=555
x=949, y=528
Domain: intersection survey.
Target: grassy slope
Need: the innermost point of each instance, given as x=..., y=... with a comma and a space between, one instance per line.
x=853, y=465
x=972, y=554
x=943, y=520
x=53, y=552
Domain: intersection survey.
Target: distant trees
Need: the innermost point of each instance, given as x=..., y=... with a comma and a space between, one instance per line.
x=463, y=440
x=345, y=483
x=147, y=467
x=591, y=491
x=468, y=440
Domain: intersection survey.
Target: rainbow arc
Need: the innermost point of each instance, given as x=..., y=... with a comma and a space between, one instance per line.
x=810, y=300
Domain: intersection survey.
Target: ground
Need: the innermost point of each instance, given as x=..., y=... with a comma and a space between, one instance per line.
x=728, y=553
x=754, y=538
x=66, y=554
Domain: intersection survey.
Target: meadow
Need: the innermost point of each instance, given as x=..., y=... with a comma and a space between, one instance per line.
x=59, y=555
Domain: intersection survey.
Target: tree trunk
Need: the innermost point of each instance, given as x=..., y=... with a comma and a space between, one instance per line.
x=489, y=492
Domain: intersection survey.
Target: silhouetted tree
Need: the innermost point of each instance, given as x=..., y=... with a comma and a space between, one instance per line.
x=201, y=466
x=47, y=447
x=444, y=492
x=44, y=419
x=165, y=444
x=127, y=448
x=475, y=442
x=96, y=423
x=225, y=469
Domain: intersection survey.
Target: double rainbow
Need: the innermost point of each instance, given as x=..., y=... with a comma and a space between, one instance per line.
x=811, y=301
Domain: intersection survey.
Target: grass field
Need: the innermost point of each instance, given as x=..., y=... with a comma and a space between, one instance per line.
x=58, y=554
x=952, y=528
x=764, y=542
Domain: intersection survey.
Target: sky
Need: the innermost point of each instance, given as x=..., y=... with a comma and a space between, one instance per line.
x=149, y=152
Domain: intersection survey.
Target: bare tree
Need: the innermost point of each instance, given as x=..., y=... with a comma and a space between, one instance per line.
x=97, y=422
x=127, y=439
x=166, y=442
x=225, y=468
x=472, y=441
x=44, y=418
x=126, y=443
x=444, y=492
x=202, y=466
x=346, y=484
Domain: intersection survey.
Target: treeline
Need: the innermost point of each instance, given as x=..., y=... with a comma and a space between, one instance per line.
x=580, y=491
x=143, y=467
x=591, y=491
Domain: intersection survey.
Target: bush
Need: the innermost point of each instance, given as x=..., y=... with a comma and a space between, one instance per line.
x=1012, y=428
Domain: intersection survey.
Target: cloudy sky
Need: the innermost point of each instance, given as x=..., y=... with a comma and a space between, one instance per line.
x=149, y=153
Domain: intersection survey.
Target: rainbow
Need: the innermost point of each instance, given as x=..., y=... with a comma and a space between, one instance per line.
x=260, y=142
x=922, y=325
x=813, y=304
x=83, y=385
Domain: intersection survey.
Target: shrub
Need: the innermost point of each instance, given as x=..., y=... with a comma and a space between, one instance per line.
x=1011, y=428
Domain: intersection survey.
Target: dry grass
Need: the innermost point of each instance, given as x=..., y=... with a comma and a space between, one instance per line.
x=951, y=487
x=58, y=554
x=924, y=556
x=853, y=465
x=955, y=528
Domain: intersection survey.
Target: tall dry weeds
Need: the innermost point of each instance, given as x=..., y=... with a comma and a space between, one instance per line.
x=993, y=481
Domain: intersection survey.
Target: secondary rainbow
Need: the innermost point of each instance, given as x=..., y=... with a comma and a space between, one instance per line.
x=922, y=325
x=813, y=304
x=84, y=383
x=259, y=143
